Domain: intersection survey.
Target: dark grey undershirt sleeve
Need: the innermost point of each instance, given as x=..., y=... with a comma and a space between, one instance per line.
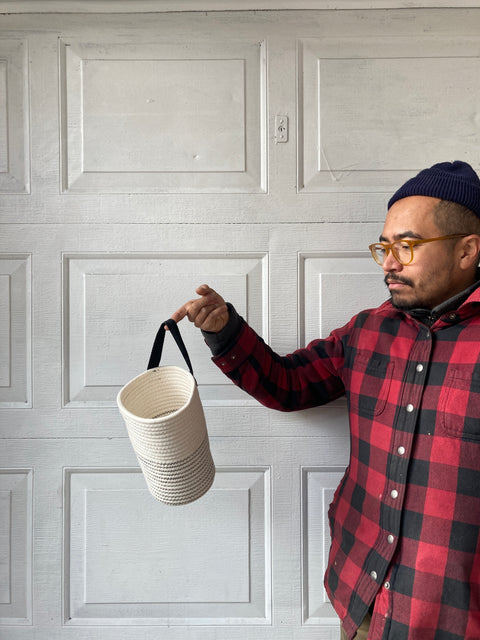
x=222, y=341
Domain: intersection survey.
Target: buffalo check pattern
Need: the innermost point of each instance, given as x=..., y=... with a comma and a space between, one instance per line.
x=405, y=519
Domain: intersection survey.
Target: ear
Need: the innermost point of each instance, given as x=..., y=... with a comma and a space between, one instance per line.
x=469, y=252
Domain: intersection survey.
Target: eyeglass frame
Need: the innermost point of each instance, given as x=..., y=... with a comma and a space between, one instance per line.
x=388, y=246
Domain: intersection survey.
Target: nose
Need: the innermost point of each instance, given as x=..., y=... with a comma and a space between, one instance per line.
x=391, y=264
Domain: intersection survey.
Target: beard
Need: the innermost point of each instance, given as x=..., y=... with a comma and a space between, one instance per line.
x=399, y=304
x=404, y=306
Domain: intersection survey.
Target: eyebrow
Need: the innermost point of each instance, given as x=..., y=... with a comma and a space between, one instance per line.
x=400, y=236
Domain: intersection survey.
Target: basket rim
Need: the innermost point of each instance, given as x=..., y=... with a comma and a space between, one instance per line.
x=169, y=416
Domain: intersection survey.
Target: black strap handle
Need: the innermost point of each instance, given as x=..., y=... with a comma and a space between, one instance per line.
x=158, y=344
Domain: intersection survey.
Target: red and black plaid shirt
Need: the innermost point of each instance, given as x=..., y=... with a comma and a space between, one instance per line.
x=405, y=519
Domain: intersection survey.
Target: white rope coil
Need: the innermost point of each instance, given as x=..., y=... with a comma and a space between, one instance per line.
x=166, y=426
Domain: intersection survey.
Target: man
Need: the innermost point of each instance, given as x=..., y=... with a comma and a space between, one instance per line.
x=405, y=520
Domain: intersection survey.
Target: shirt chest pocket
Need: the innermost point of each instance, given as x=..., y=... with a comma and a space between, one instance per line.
x=370, y=385
x=459, y=405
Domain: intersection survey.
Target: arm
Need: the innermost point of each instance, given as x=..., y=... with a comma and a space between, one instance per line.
x=306, y=378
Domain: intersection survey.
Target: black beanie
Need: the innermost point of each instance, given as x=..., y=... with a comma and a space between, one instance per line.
x=453, y=181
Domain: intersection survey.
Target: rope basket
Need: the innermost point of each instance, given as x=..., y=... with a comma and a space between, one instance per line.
x=166, y=425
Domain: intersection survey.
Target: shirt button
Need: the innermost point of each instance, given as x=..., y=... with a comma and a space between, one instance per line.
x=394, y=494
x=410, y=408
x=419, y=368
x=401, y=451
x=390, y=539
x=387, y=585
x=373, y=575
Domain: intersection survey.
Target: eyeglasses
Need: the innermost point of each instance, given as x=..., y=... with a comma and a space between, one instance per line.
x=402, y=250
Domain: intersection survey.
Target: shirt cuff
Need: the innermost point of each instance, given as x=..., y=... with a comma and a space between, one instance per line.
x=222, y=341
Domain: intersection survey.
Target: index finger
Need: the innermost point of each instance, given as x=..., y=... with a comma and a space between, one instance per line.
x=180, y=314
x=203, y=290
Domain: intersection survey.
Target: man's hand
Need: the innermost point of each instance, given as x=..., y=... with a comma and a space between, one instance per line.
x=209, y=312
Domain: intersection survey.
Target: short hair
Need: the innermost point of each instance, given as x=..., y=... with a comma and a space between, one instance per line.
x=451, y=217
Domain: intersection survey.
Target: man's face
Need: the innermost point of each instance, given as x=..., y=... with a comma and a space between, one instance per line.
x=433, y=276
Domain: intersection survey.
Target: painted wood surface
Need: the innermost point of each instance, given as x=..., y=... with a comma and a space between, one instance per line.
x=139, y=158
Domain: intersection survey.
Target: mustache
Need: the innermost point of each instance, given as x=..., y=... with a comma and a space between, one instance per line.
x=392, y=278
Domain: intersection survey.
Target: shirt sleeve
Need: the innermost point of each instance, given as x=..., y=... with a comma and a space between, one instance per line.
x=303, y=379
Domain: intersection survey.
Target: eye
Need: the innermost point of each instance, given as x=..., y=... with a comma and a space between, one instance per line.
x=400, y=245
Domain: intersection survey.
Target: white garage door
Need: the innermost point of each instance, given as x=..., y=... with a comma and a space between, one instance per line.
x=140, y=156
